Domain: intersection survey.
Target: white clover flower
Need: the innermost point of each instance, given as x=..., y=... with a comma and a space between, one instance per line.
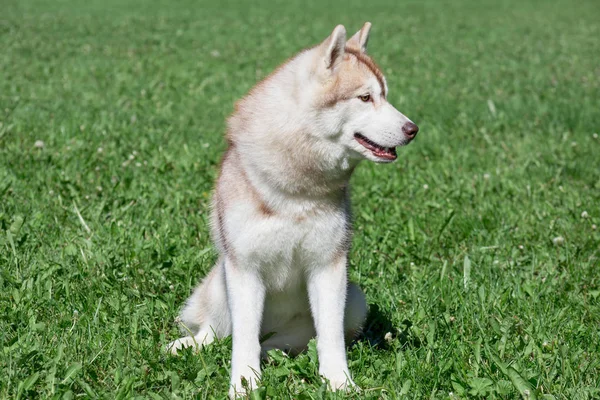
x=558, y=241
x=39, y=144
x=388, y=337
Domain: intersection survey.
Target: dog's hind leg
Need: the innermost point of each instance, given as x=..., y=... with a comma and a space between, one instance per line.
x=205, y=315
x=293, y=337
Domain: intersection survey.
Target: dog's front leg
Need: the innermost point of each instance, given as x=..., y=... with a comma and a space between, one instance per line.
x=327, y=293
x=246, y=296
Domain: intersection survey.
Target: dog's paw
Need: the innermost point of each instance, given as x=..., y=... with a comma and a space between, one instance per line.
x=176, y=345
x=347, y=385
x=202, y=338
x=340, y=381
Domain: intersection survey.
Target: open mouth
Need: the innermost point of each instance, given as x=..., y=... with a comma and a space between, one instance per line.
x=387, y=153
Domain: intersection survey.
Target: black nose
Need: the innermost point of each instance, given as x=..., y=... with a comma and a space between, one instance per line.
x=410, y=129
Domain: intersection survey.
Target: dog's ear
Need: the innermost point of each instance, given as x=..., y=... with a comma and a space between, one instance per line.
x=361, y=38
x=332, y=48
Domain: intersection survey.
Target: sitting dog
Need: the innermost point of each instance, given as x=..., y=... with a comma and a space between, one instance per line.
x=281, y=214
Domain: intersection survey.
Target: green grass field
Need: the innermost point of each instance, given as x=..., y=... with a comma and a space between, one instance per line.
x=478, y=250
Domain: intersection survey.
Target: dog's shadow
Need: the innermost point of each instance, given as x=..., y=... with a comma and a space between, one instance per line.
x=379, y=325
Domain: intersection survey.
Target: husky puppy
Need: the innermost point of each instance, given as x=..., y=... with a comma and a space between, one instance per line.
x=281, y=214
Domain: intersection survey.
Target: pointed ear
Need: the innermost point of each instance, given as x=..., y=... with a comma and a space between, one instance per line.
x=361, y=38
x=332, y=48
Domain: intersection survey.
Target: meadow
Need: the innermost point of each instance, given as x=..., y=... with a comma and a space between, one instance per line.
x=478, y=250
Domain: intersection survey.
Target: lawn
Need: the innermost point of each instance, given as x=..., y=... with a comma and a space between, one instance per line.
x=478, y=250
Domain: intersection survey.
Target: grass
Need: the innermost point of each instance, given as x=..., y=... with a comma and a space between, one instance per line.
x=103, y=224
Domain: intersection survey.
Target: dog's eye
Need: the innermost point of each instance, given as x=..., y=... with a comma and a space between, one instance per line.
x=365, y=97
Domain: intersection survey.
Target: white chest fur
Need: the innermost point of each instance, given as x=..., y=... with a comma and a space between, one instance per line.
x=285, y=246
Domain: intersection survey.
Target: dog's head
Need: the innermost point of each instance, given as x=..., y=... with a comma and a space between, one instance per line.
x=352, y=104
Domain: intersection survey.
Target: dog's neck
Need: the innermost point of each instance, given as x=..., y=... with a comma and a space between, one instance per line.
x=294, y=174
